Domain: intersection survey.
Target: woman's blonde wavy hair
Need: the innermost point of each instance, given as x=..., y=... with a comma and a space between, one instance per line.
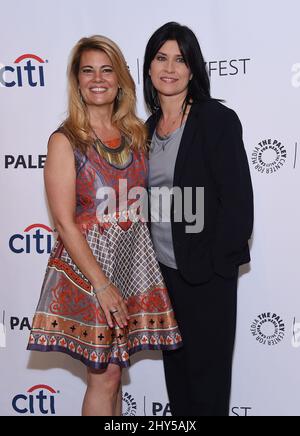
x=77, y=125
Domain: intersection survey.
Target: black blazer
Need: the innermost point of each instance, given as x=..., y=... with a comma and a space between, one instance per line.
x=212, y=155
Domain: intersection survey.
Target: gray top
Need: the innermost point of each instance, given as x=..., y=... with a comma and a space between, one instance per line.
x=162, y=159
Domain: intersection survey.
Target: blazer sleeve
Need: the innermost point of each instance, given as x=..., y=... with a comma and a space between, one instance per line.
x=235, y=199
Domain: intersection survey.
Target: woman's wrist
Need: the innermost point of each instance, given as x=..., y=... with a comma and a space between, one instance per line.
x=101, y=288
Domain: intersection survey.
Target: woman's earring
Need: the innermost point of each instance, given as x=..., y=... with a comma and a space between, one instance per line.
x=155, y=98
x=119, y=95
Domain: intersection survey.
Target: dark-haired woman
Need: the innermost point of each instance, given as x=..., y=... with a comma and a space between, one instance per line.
x=197, y=142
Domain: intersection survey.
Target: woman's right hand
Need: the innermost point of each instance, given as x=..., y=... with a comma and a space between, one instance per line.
x=113, y=306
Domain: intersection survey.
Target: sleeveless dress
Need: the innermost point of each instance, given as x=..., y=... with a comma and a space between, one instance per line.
x=69, y=318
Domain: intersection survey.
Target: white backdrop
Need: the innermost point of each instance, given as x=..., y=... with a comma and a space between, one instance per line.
x=252, y=53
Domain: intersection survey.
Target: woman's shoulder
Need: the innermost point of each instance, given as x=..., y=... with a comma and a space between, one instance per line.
x=216, y=111
x=213, y=106
x=60, y=134
x=59, y=143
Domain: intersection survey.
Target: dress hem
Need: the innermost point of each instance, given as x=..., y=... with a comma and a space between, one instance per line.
x=103, y=365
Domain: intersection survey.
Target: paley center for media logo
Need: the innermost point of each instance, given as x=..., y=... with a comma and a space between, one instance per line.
x=39, y=399
x=268, y=329
x=129, y=405
x=26, y=70
x=269, y=156
x=36, y=238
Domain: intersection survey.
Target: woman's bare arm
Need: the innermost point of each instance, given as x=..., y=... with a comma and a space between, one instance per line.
x=60, y=182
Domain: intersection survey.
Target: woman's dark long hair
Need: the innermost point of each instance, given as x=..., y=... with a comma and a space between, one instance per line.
x=199, y=86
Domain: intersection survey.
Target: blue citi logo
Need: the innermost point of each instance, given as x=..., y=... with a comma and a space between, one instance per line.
x=27, y=70
x=39, y=242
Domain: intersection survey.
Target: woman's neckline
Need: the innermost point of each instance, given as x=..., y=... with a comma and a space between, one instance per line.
x=171, y=135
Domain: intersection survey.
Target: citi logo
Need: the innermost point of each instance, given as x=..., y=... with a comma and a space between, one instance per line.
x=27, y=70
x=36, y=238
x=38, y=399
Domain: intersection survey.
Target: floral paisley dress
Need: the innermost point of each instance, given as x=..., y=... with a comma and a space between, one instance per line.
x=69, y=318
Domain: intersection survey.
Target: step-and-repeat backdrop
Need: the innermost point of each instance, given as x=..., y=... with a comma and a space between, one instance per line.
x=253, y=58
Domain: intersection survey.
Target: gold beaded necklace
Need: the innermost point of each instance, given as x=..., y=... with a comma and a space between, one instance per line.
x=118, y=156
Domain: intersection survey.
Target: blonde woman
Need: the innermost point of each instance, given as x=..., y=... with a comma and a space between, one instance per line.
x=103, y=297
